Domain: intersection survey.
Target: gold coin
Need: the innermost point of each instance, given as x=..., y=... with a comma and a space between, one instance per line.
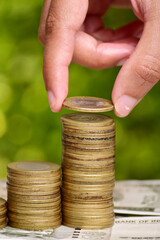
x=34, y=181
x=3, y=209
x=89, y=187
x=88, y=104
x=81, y=183
x=82, y=203
x=35, y=226
x=87, y=216
x=3, y=213
x=30, y=178
x=109, y=164
x=32, y=193
x=41, y=205
x=3, y=218
x=89, y=165
x=89, y=153
x=82, y=226
x=87, y=181
x=76, y=174
x=80, y=136
x=86, y=119
x=33, y=168
x=26, y=211
x=91, y=197
x=80, y=130
x=36, y=200
x=90, y=146
x=2, y=203
x=3, y=224
x=86, y=212
x=89, y=221
x=35, y=187
x=39, y=202
x=31, y=218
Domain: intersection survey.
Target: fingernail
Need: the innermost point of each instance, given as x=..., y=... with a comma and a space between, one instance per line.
x=121, y=62
x=124, y=105
x=51, y=99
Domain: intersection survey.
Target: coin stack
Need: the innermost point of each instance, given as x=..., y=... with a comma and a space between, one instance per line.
x=88, y=170
x=34, y=199
x=3, y=213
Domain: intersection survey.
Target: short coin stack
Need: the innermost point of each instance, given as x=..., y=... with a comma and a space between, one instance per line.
x=34, y=200
x=88, y=170
x=3, y=213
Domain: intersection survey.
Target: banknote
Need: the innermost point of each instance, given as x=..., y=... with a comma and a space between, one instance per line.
x=136, y=228
x=137, y=197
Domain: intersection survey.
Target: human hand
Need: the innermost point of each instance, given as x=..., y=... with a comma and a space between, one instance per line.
x=73, y=31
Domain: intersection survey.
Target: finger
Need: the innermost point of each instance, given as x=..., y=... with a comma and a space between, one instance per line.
x=121, y=3
x=95, y=27
x=41, y=30
x=98, y=55
x=133, y=29
x=64, y=20
x=97, y=7
x=142, y=71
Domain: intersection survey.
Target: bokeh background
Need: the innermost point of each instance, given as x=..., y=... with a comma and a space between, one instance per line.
x=30, y=131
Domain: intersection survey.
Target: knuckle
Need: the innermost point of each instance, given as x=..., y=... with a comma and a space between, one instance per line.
x=52, y=21
x=148, y=71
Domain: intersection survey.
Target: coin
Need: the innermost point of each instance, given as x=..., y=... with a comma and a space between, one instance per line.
x=30, y=205
x=86, y=120
x=3, y=213
x=35, y=226
x=88, y=104
x=33, y=168
x=85, y=226
x=2, y=203
x=3, y=224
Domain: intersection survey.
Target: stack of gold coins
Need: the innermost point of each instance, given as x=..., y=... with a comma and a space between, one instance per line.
x=3, y=213
x=34, y=198
x=88, y=169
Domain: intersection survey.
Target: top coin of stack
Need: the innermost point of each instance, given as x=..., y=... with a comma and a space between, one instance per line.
x=88, y=104
x=34, y=201
x=88, y=170
x=3, y=213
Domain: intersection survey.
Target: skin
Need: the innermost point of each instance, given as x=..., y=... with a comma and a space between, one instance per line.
x=72, y=30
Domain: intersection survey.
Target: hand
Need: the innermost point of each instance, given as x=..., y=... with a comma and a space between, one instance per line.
x=72, y=30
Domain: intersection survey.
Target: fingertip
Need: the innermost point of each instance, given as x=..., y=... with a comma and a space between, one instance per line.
x=124, y=105
x=56, y=109
x=54, y=104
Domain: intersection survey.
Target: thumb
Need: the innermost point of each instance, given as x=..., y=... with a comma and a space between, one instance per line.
x=142, y=71
x=63, y=21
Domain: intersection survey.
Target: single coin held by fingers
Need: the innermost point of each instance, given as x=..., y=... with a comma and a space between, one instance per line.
x=88, y=104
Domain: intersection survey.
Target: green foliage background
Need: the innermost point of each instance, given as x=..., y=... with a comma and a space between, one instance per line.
x=30, y=131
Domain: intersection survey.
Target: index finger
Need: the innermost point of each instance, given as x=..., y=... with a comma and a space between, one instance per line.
x=63, y=21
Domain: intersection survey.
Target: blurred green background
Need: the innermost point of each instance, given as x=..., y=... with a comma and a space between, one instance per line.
x=30, y=131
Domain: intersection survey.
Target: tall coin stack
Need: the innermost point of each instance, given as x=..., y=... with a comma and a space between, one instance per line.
x=88, y=169
x=3, y=213
x=34, y=200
